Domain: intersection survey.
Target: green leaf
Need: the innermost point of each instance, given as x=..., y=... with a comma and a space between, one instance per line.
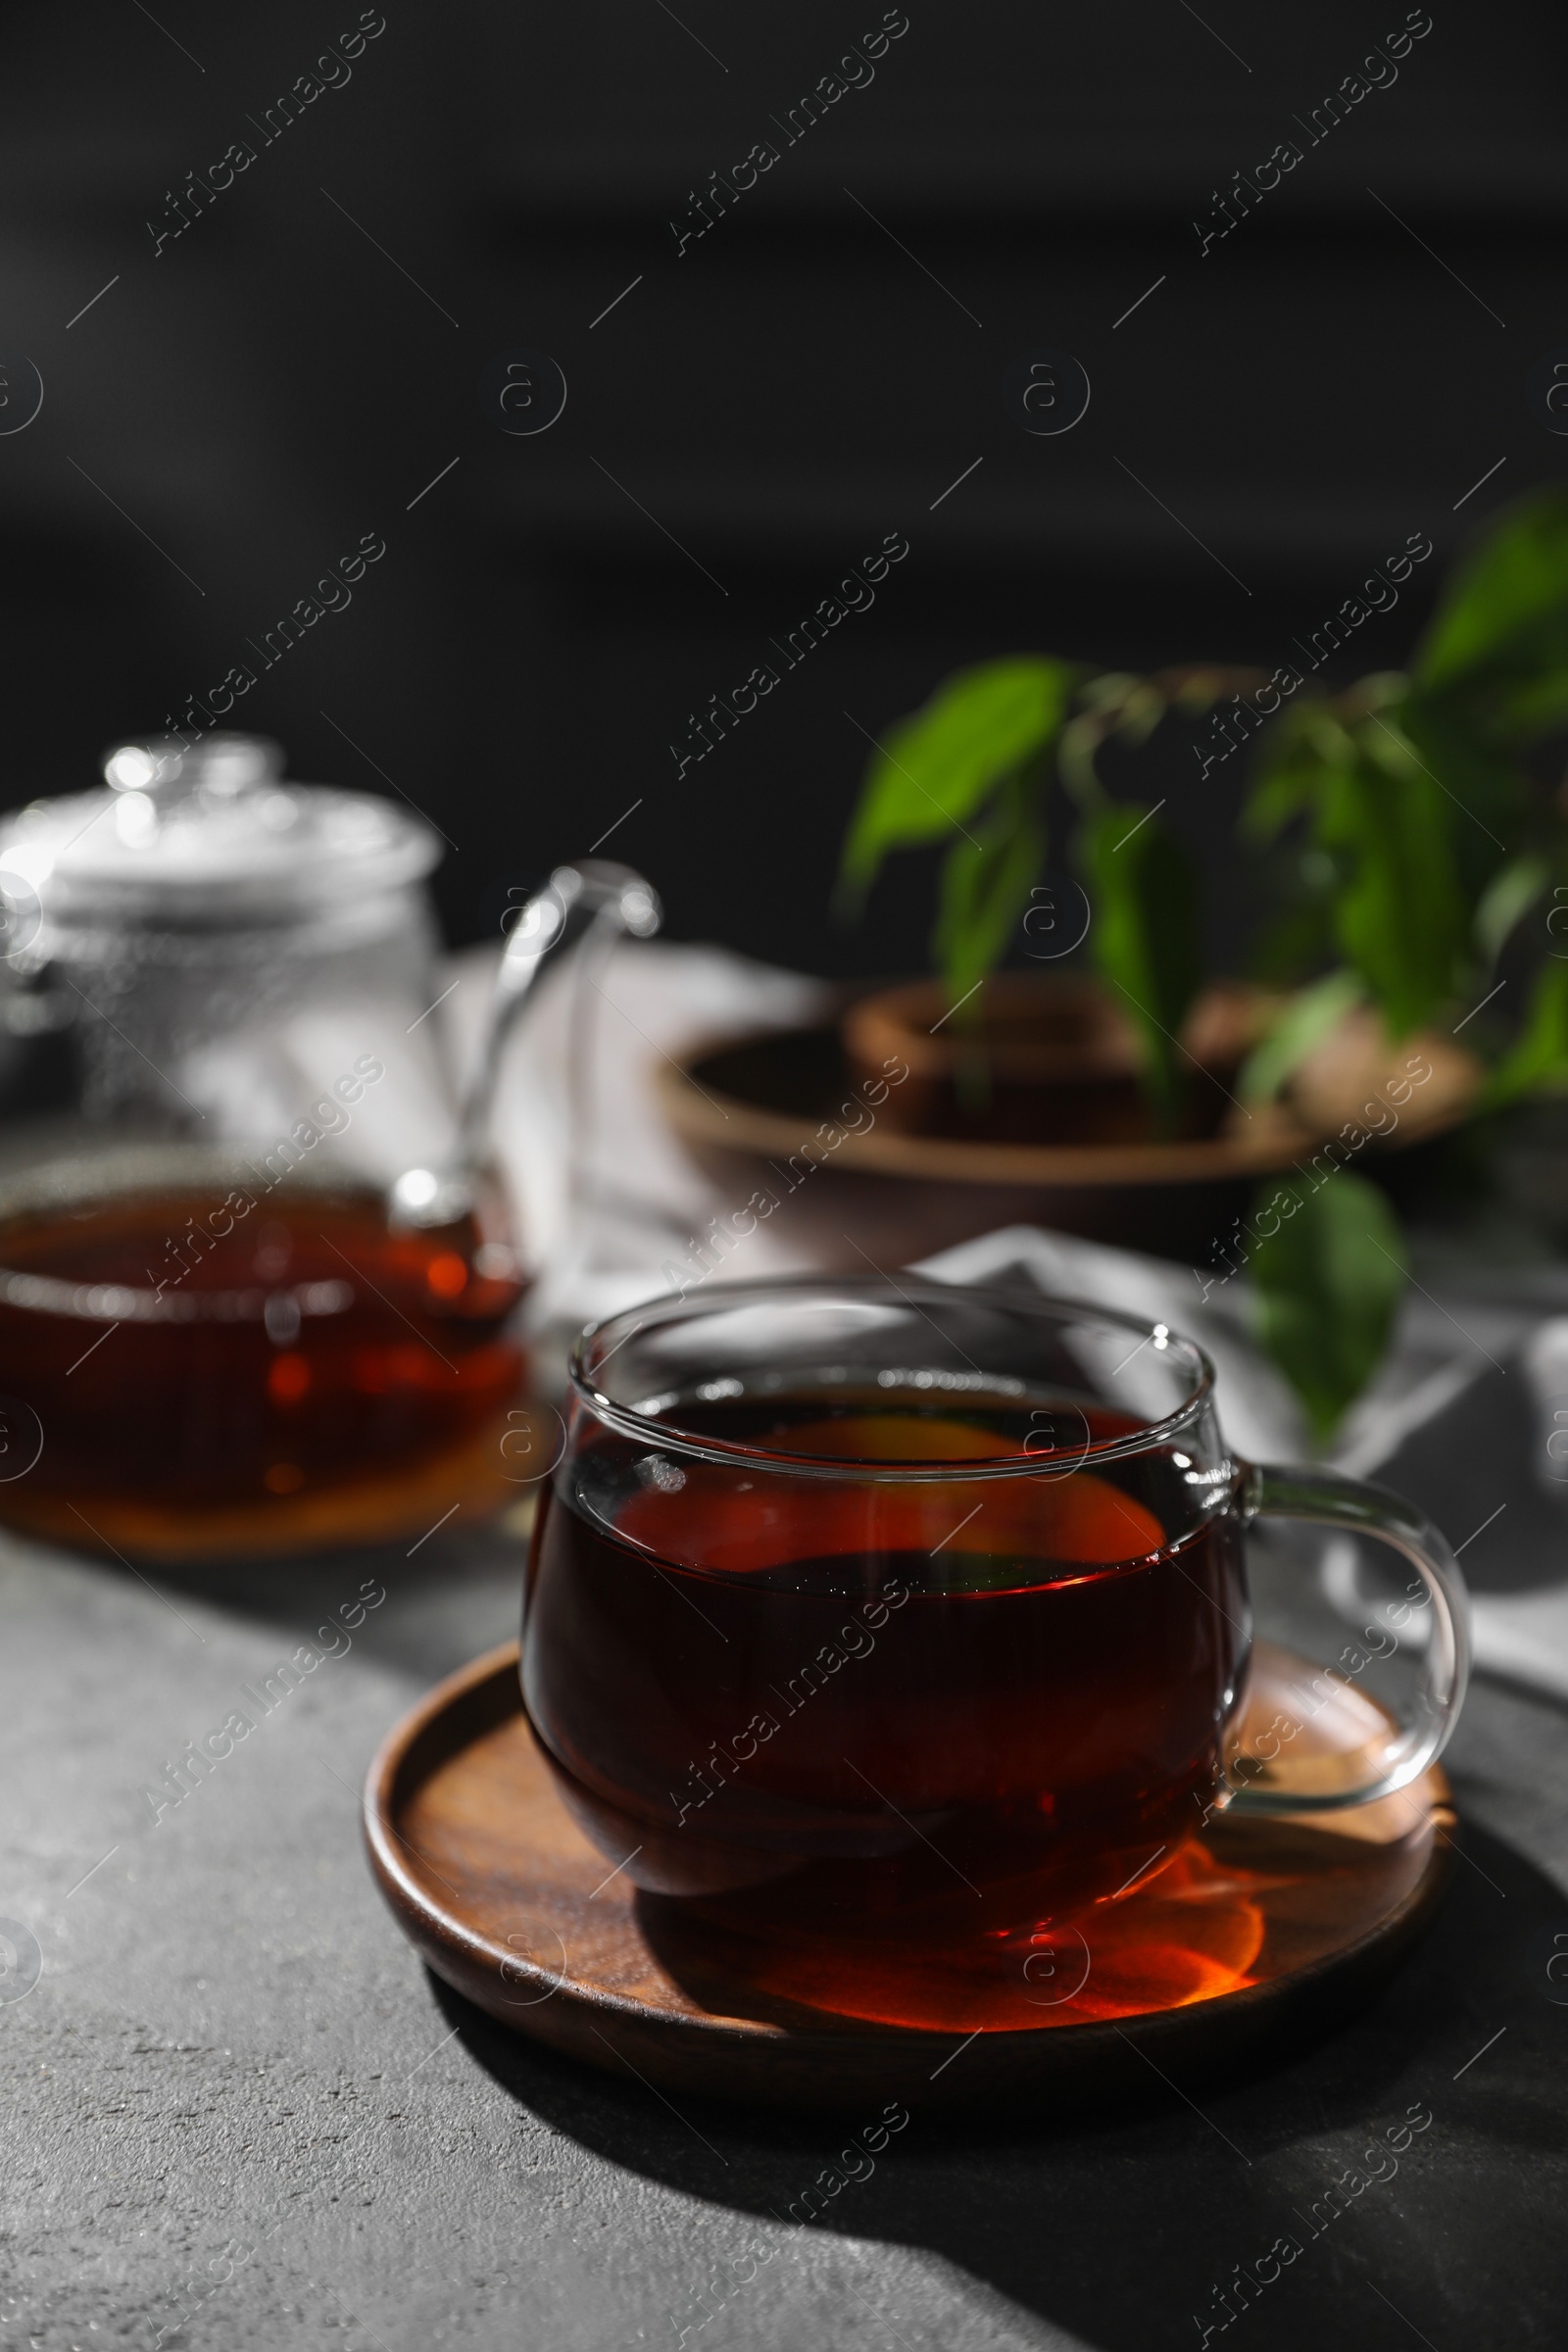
x=1281, y=792
x=1327, y=1283
x=1297, y=938
x=1523, y=708
x=1504, y=612
x=1143, y=936
x=1489, y=793
x=985, y=889
x=1303, y=1022
x=1507, y=897
x=1400, y=913
x=1536, y=1062
x=1411, y=811
x=936, y=770
x=1296, y=752
x=1496, y=650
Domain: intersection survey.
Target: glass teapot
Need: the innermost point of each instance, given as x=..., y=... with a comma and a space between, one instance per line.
x=269, y=1299
x=226, y=946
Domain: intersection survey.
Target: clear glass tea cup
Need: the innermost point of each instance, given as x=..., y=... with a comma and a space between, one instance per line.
x=919, y=1615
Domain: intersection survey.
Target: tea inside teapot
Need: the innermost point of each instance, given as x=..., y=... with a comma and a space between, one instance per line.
x=202, y=1359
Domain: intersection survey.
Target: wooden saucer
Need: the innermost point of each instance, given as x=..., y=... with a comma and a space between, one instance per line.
x=1260, y=1930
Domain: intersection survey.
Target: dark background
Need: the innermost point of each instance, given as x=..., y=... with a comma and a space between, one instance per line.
x=793, y=387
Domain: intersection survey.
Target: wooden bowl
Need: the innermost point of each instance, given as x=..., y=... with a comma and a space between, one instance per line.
x=793, y=1115
x=1049, y=1058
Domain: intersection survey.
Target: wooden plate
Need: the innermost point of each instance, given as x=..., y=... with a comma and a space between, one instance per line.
x=1260, y=1930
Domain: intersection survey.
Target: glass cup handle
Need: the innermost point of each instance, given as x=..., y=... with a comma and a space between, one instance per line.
x=1328, y=1499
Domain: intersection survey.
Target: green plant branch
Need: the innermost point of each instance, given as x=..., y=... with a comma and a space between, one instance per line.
x=1406, y=854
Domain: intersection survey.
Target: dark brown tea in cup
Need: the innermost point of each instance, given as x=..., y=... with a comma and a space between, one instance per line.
x=861, y=1711
x=890, y=1638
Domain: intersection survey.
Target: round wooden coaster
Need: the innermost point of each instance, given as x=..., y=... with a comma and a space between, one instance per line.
x=1259, y=1930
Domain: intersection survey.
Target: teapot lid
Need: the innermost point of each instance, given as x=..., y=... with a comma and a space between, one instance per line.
x=205, y=832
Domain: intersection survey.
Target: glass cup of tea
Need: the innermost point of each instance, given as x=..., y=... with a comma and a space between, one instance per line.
x=918, y=1616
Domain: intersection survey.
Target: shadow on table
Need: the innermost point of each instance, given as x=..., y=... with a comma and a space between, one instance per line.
x=1124, y=2228
x=448, y=1598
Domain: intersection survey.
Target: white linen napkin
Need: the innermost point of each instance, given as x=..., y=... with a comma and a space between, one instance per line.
x=1454, y=1426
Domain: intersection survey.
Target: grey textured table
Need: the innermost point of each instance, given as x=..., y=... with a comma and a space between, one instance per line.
x=236, y=2106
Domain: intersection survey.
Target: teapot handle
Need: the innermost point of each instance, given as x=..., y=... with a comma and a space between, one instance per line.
x=594, y=893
